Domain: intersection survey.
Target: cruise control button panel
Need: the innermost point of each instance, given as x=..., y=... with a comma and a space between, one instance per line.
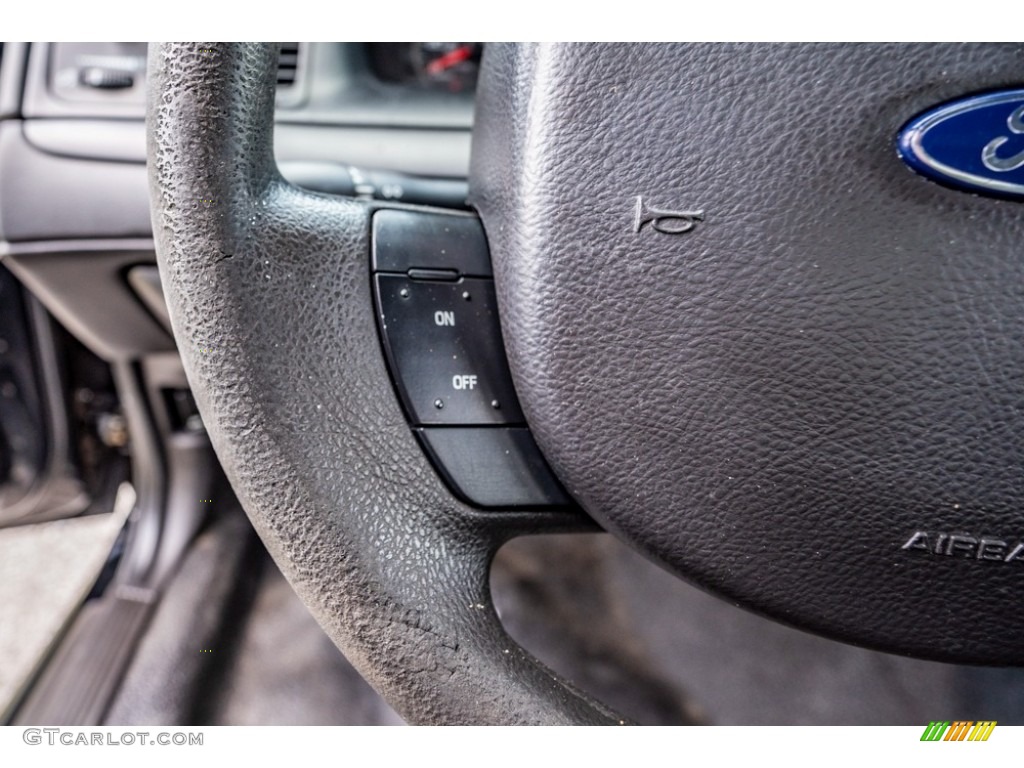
x=438, y=318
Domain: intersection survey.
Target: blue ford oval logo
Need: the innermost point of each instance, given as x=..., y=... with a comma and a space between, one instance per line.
x=975, y=143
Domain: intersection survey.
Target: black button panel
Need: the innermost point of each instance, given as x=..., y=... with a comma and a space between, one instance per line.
x=438, y=318
x=446, y=351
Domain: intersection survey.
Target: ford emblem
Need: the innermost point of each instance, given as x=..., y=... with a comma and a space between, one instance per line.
x=976, y=143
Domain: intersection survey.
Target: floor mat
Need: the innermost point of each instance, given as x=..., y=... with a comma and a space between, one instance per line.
x=46, y=570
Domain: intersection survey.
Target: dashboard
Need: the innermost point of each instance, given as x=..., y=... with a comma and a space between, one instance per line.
x=388, y=107
x=448, y=67
x=384, y=120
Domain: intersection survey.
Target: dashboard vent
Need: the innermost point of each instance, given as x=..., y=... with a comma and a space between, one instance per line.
x=288, y=64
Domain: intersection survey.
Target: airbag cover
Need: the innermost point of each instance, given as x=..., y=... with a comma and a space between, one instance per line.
x=801, y=387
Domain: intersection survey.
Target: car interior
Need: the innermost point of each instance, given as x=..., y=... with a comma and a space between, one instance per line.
x=510, y=384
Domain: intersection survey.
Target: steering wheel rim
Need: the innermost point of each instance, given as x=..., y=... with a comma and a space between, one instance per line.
x=268, y=289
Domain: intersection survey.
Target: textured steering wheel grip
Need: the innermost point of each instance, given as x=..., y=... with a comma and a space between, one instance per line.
x=269, y=294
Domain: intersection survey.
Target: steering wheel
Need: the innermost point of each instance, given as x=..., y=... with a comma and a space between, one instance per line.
x=749, y=341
